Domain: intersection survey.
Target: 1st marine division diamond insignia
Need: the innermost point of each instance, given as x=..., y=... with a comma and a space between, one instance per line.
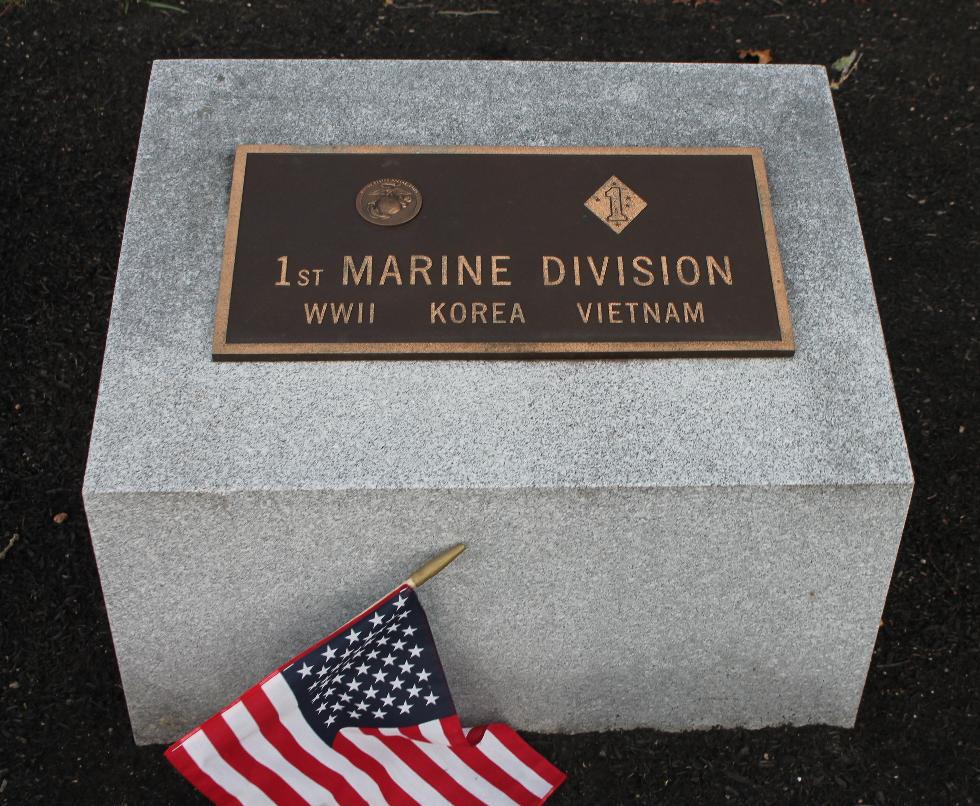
x=616, y=204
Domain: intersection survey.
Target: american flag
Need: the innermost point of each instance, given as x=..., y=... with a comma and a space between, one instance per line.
x=363, y=717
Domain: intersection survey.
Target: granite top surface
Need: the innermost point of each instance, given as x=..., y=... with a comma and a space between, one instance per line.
x=170, y=419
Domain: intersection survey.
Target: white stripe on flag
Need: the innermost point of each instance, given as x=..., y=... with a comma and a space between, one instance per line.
x=433, y=731
x=495, y=750
x=284, y=701
x=199, y=748
x=437, y=748
x=243, y=725
x=413, y=785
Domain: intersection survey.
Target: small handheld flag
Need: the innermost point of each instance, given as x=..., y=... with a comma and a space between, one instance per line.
x=363, y=717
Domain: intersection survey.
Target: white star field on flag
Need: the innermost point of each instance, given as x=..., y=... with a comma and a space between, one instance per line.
x=380, y=672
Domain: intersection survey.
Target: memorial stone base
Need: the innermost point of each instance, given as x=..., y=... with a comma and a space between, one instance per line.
x=673, y=543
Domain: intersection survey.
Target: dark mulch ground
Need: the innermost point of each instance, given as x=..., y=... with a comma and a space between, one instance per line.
x=72, y=83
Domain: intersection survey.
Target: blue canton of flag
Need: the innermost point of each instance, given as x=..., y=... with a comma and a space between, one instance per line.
x=382, y=671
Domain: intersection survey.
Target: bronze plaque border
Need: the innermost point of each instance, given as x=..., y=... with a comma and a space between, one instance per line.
x=264, y=351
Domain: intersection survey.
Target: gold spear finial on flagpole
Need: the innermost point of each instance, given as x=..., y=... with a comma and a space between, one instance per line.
x=435, y=565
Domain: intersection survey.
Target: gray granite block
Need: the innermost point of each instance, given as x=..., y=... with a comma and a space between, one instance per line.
x=667, y=542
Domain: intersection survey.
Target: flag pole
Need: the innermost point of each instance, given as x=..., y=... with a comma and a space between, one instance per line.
x=434, y=566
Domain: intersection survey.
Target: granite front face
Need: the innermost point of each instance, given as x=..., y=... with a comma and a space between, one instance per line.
x=666, y=542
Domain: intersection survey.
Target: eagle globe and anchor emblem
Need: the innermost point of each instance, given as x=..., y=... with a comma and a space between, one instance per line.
x=388, y=202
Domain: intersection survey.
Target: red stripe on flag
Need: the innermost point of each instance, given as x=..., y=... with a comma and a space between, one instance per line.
x=228, y=746
x=199, y=779
x=412, y=732
x=404, y=747
x=372, y=768
x=530, y=757
x=453, y=729
x=474, y=735
x=278, y=735
x=485, y=768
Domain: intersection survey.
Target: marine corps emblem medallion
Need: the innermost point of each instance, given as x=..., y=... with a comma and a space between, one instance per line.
x=388, y=202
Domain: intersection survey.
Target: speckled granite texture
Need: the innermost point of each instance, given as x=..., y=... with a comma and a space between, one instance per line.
x=653, y=542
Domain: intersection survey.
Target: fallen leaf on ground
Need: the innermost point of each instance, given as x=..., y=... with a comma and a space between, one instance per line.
x=696, y=3
x=61, y=517
x=9, y=546
x=164, y=6
x=763, y=56
x=844, y=66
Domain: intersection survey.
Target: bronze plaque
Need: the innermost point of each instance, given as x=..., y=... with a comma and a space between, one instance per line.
x=499, y=252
